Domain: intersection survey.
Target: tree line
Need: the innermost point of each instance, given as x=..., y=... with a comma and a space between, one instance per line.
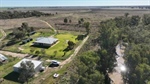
x=20, y=14
x=19, y=34
x=92, y=67
x=135, y=31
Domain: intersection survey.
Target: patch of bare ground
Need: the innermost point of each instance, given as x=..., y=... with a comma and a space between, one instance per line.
x=13, y=54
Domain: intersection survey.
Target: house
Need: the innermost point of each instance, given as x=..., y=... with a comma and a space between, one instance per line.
x=37, y=65
x=3, y=58
x=45, y=42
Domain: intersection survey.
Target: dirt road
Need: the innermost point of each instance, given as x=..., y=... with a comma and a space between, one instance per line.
x=10, y=53
x=13, y=54
x=75, y=52
x=50, y=27
x=4, y=34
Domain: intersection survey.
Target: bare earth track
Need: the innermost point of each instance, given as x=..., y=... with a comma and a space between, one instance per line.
x=4, y=34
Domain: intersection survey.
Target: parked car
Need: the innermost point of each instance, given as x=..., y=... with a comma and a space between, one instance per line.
x=42, y=69
x=54, y=63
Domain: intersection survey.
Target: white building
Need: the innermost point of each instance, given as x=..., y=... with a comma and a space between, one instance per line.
x=3, y=58
x=37, y=65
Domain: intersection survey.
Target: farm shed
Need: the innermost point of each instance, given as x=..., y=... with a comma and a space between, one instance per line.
x=3, y=58
x=37, y=65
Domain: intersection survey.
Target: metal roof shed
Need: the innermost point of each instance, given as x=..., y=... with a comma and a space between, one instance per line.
x=3, y=58
x=37, y=64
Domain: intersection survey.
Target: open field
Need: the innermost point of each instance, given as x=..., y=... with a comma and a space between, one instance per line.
x=13, y=23
x=92, y=15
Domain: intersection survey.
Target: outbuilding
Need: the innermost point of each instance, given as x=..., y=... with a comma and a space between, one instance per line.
x=37, y=65
x=3, y=58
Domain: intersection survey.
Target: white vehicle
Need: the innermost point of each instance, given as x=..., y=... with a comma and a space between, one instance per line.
x=55, y=75
x=42, y=69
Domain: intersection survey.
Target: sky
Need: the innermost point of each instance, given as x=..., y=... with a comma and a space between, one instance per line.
x=31, y=3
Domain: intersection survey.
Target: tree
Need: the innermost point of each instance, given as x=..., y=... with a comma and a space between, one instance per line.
x=24, y=25
x=146, y=19
x=70, y=21
x=87, y=71
x=126, y=15
x=26, y=71
x=18, y=34
x=65, y=20
x=134, y=20
x=31, y=29
x=37, y=52
x=70, y=45
x=87, y=25
x=19, y=14
x=82, y=20
x=79, y=22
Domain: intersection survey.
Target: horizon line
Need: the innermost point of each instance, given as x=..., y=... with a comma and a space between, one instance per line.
x=75, y=6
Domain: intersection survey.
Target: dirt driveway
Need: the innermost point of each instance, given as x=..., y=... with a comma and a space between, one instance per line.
x=13, y=54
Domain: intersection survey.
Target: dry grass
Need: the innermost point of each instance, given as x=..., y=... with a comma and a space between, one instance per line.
x=12, y=23
x=94, y=16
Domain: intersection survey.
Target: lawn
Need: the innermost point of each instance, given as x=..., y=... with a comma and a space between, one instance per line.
x=6, y=70
x=55, y=51
x=40, y=32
